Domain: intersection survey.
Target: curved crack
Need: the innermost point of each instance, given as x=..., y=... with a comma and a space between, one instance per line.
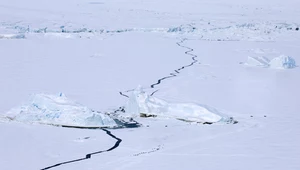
x=122, y=94
x=89, y=155
x=177, y=71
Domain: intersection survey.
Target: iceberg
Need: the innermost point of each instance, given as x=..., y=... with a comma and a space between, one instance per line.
x=140, y=104
x=59, y=110
x=283, y=62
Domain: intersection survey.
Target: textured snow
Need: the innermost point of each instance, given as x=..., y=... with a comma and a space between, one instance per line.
x=141, y=103
x=58, y=110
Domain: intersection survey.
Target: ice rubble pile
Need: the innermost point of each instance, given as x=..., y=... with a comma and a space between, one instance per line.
x=141, y=104
x=182, y=29
x=281, y=62
x=59, y=110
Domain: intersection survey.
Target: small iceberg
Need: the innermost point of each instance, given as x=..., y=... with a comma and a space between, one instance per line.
x=281, y=62
x=59, y=110
x=140, y=104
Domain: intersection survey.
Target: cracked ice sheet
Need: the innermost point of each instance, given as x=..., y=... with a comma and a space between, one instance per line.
x=265, y=144
x=91, y=72
x=262, y=88
x=257, y=142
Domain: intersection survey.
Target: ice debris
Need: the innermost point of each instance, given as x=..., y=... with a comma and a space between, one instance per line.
x=140, y=104
x=182, y=29
x=59, y=110
x=281, y=62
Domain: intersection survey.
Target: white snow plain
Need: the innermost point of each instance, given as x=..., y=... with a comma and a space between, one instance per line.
x=92, y=50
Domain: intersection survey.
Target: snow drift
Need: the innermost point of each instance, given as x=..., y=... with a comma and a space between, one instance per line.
x=143, y=105
x=59, y=110
x=281, y=62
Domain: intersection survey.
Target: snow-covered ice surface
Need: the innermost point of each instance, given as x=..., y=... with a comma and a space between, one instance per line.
x=92, y=50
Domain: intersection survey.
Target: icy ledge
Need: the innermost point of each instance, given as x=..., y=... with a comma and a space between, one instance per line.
x=59, y=110
x=140, y=104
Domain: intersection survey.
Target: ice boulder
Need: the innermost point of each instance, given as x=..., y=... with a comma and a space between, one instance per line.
x=59, y=110
x=143, y=105
x=282, y=62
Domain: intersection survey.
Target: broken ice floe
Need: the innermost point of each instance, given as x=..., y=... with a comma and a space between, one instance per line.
x=140, y=104
x=281, y=62
x=59, y=110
